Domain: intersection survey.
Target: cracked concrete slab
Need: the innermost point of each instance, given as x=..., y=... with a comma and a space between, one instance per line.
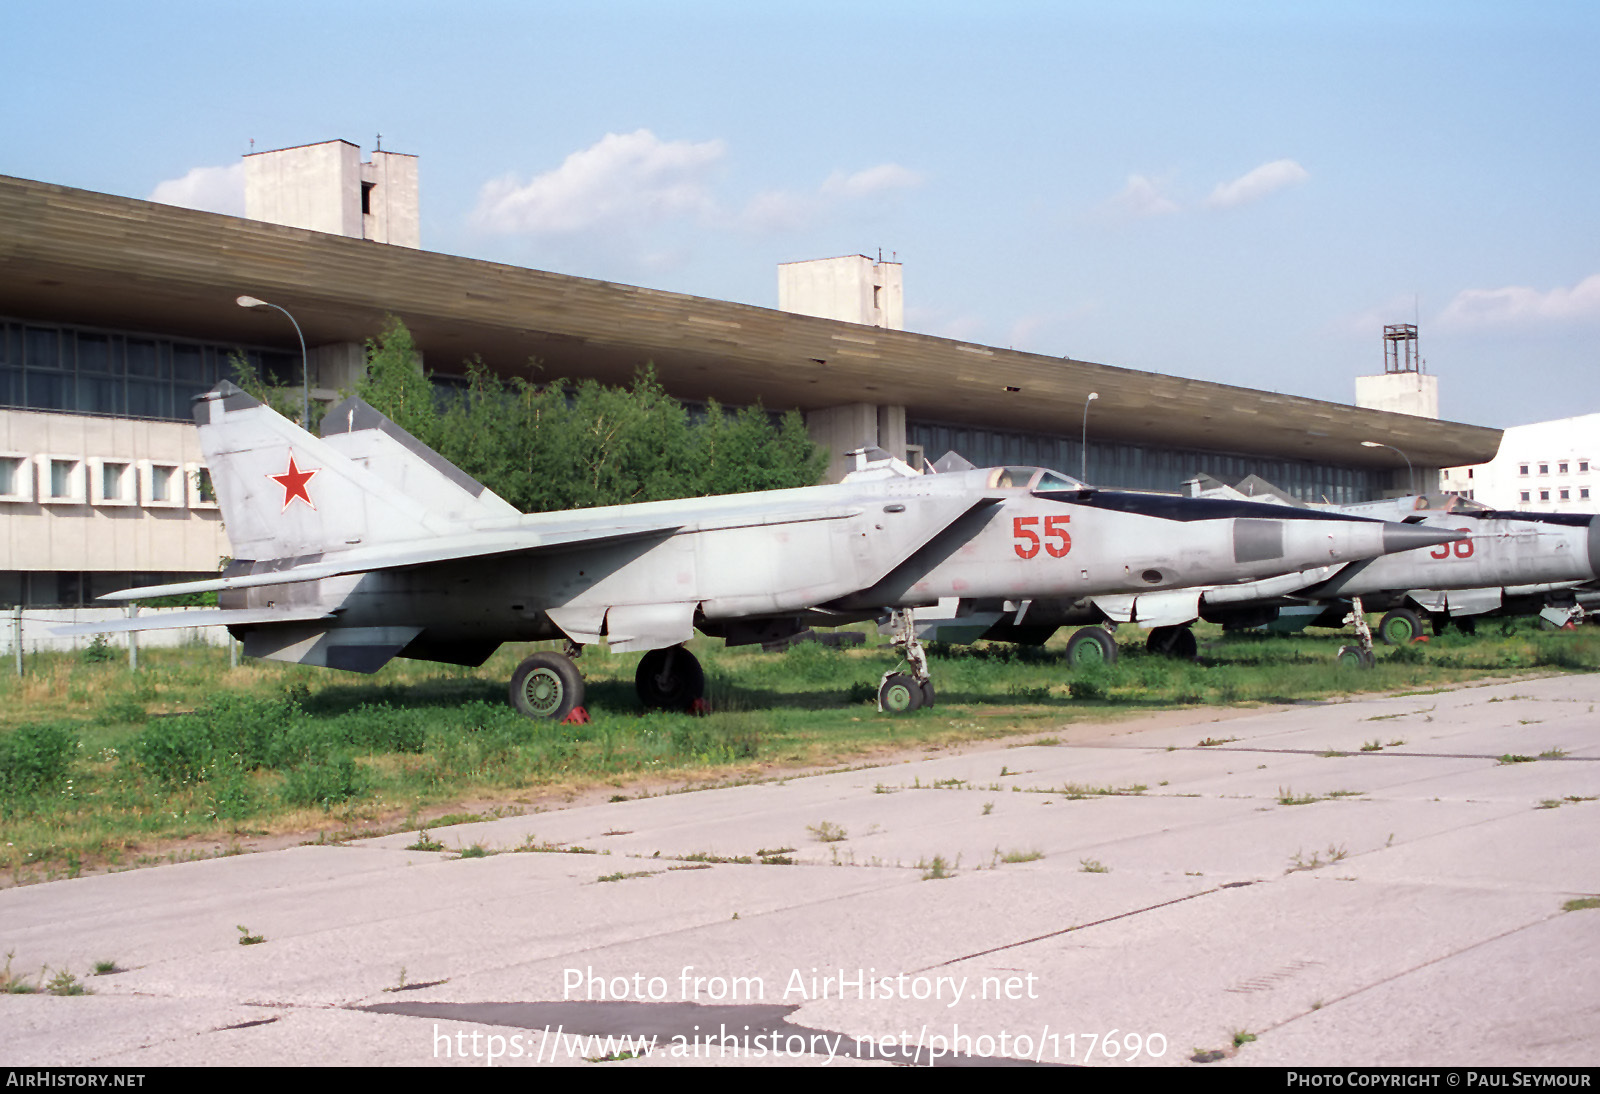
x=1402, y=905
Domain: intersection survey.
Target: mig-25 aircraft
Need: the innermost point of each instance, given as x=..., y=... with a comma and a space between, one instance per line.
x=364, y=545
x=1505, y=561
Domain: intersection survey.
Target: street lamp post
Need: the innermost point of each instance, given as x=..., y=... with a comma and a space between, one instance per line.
x=305, y=364
x=1083, y=471
x=1411, y=473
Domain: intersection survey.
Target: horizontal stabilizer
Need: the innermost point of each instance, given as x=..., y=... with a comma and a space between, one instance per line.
x=200, y=617
x=399, y=556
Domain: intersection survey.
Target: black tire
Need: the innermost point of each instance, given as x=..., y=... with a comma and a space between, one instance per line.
x=1465, y=624
x=927, y=693
x=546, y=686
x=1355, y=657
x=1400, y=627
x=1440, y=622
x=669, y=679
x=900, y=693
x=1091, y=646
x=1175, y=642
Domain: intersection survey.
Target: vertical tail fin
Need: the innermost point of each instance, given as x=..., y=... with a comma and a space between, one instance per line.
x=405, y=463
x=284, y=493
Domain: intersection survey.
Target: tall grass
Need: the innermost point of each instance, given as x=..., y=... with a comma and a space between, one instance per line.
x=98, y=764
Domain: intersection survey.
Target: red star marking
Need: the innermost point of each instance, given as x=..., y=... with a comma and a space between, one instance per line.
x=294, y=482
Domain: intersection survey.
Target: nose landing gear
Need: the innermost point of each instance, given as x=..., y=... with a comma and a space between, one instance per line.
x=902, y=692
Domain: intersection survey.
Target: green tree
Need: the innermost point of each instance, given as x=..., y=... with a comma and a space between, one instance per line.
x=566, y=446
x=288, y=401
x=396, y=385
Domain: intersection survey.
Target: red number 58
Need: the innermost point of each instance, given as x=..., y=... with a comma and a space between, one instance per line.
x=1057, y=540
x=1461, y=548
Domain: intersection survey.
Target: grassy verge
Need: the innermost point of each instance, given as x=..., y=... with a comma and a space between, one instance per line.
x=99, y=766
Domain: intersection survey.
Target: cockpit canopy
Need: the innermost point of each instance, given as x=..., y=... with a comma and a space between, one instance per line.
x=1448, y=503
x=1032, y=478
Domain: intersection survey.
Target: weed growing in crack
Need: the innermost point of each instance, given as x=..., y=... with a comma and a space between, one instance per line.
x=827, y=832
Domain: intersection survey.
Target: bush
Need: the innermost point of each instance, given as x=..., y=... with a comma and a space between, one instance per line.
x=813, y=663
x=710, y=743
x=1088, y=686
x=97, y=652
x=1408, y=654
x=35, y=758
x=325, y=782
x=1560, y=653
x=229, y=795
x=175, y=751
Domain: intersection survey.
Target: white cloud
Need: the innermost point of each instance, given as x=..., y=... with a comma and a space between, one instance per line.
x=874, y=180
x=781, y=211
x=1517, y=305
x=791, y=210
x=1257, y=184
x=623, y=178
x=211, y=189
x=1142, y=198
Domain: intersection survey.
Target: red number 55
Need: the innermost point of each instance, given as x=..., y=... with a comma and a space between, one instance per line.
x=1058, y=541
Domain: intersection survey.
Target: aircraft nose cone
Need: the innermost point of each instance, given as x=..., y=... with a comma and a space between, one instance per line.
x=1408, y=537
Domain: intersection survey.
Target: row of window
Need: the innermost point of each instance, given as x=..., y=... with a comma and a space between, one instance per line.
x=1561, y=467
x=1566, y=495
x=77, y=589
x=77, y=480
x=82, y=369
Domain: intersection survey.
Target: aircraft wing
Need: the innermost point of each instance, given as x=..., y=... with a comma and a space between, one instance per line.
x=530, y=535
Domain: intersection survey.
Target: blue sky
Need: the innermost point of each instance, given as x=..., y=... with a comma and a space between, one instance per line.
x=1236, y=192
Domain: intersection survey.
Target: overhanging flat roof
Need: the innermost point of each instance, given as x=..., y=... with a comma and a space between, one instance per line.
x=95, y=259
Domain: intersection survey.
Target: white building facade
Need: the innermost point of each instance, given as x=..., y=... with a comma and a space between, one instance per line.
x=1546, y=467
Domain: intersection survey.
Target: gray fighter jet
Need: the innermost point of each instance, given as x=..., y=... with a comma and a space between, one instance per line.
x=364, y=545
x=1507, y=561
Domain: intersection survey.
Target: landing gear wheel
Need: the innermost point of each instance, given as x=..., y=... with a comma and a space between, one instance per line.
x=1440, y=622
x=546, y=686
x=927, y=693
x=1354, y=657
x=1399, y=627
x=1465, y=624
x=900, y=693
x=670, y=679
x=1091, y=646
x=1175, y=642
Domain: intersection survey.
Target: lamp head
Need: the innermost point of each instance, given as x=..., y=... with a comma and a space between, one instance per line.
x=250, y=302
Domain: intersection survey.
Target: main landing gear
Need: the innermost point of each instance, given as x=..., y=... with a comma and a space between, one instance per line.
x=1175, y=642
x=670, y=679
x=1400, y=627
x=548, y=686
x=1090, y=647
x=900, y=692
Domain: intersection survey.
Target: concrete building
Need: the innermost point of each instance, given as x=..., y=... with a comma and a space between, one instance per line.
x=114, y=312
x=1403, y=387
x=326, y=188
x=851, y=289
x=1545, y=467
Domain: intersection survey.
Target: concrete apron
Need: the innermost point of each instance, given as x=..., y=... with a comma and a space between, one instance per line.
x=1125, y=898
